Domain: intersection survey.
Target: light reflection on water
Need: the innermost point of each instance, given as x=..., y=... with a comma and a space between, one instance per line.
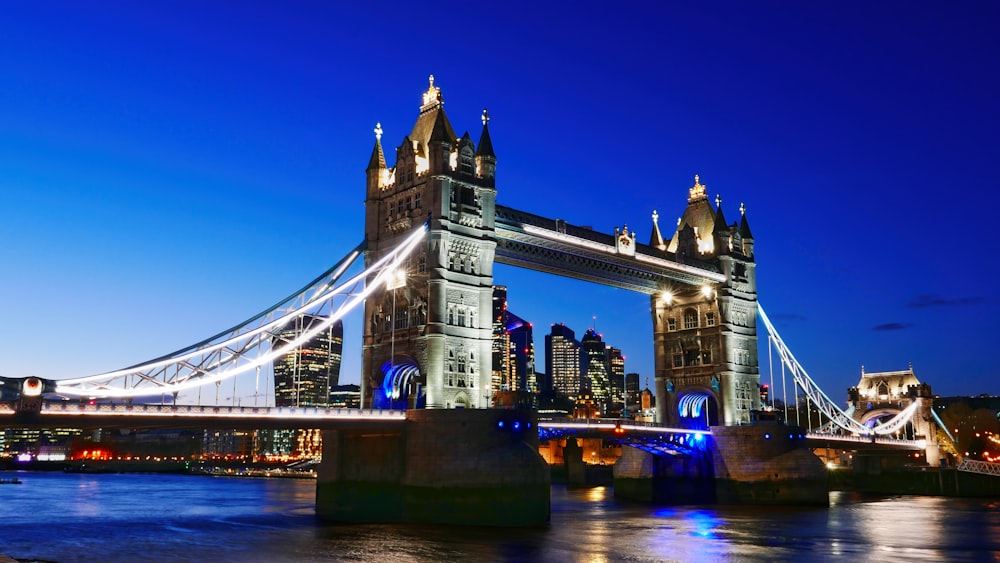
x=112, y=518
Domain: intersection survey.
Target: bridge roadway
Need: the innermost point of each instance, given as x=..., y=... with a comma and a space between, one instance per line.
x=62, y=414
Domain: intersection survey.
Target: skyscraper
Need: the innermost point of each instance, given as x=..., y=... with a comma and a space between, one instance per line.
x=304, y=376
x=522, y=354
x=596, y=368
x=500, y=375
x=562, y=360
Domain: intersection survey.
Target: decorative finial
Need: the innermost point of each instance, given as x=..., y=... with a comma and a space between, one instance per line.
x=718, y=200
x=678, y=222
x=378, y=131
x=656, y=216
x=697, y=191
x=486, y=117
x=432, y=97
x=743, y=209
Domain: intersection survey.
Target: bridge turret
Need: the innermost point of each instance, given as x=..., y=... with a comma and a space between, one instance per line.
x=745, y=235
x=721, y=231
x=377, y=172
x=486, y=161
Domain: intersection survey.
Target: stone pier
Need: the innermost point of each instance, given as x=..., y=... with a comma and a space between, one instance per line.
x=761, y=464
x=442, y=466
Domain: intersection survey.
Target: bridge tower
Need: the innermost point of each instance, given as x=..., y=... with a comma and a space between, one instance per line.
x=882, y=395
x=705, y=338
x=428, y=334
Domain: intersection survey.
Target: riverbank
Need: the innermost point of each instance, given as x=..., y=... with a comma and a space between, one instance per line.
x=930, y=481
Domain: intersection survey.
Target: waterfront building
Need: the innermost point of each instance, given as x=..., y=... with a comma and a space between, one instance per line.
x=562, y=361
x=615, y=365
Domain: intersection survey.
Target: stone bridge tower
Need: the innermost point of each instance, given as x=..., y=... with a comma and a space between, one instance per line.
x=427, y=335
x=705, y=338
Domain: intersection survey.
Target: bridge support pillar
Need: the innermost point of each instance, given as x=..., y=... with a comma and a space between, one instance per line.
x=666, y=479
x=767, y=464
x=442, y=466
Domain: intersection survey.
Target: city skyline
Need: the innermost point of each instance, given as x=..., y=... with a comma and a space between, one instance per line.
x=154, y=160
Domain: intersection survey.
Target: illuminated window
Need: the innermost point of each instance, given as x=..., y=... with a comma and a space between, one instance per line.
x=690, y=319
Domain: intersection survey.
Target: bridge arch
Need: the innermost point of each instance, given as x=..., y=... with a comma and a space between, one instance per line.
x=697, y=408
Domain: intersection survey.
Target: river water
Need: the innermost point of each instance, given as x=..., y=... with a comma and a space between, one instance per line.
x=149, y=517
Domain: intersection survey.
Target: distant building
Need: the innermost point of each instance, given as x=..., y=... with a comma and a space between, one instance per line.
x=522, y=354
x=304, y=376
x=345, y=396
x=500, y=376
x=562, y=361
x=595, y=368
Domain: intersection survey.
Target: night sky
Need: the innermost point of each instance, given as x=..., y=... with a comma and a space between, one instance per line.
x=170, y=169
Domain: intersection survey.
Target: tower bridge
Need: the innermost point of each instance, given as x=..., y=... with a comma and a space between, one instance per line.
x=433, y=231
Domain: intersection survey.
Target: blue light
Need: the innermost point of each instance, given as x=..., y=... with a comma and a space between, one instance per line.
x=500, y=424
x=517, y=425
x=698, y=437
x=767, y=436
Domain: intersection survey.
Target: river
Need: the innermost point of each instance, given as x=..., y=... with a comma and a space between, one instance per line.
x=114, y=518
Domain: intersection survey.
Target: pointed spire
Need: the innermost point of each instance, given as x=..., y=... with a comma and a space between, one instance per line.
x=656, y=237
x=485, y=147
x=377, y=161
x=744, y=226
x=720, y=218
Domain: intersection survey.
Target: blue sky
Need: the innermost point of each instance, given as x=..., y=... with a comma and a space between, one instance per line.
x=169, y=169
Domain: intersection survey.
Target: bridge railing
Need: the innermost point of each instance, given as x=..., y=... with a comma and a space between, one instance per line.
x=611, y=423
x=61, y=407
x=981, y=467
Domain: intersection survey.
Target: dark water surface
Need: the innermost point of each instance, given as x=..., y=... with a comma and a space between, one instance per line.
x=147, y=517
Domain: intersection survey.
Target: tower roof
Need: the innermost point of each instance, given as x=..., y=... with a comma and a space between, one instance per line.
x=698, y=215
x=432, y=124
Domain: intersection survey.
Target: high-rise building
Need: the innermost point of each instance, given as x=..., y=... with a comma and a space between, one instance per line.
x=595, y=368
x=521, y=354
x=562, y=361
x=304, y=376
x=500, y=377
x=615, y=365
